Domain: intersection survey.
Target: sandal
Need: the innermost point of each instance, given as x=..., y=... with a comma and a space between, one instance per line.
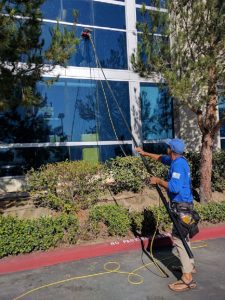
x=181, y=286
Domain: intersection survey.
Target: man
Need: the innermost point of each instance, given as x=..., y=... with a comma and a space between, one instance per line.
x=178, y=187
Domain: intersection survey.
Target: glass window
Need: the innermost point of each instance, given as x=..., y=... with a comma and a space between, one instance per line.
x=152, y=2
x=109, y=15
x=159, y=148
x=156, y=111
x=223, y=144
x=148, y=17
x=71, y=110
x=110, y=47
x=100, y=153
x=89, y=12
x=63, y=10
x=16, y=161
x=221, y=114
x=109, y=114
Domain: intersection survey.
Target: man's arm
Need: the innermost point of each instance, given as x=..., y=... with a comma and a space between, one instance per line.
x=159, y=181
x=152, y=155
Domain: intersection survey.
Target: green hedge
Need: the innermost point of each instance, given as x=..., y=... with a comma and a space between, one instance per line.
x=24, y=236
x=69, y=186
x=130, y=174
x=218, y=171
x=115, y=217
x=119, y=221
x=66, y=186
x=212, y=212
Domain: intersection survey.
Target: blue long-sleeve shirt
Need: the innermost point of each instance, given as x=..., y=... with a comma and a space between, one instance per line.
x=179, y=179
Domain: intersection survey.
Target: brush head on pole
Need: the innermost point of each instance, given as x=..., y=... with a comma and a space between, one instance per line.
x=86, y=33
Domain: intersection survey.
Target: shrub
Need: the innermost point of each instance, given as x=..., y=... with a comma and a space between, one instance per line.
x=130, y=174
x=116, y=218
x=66, y=186
x=212, y=212
x=24, y=236
x=145, y=222
x=218, y=171
x=218, y=174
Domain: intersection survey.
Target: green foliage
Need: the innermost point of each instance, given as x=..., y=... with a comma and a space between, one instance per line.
x=130, y=174
x=66, y=186
x=115, y=217
x=145, y=222
x=20, y=41
x=185, y=64
x=212, y=212
x=218, y=171
x=24, y=236
x=188, y=55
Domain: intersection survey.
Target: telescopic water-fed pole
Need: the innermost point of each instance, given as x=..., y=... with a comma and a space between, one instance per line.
x=87, y=35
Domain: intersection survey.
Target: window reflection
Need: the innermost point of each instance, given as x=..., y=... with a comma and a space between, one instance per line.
x=159, y=148
x=157, y=121
x=222, y=144
x=221, y=115
x=70, y=110
x=89, y=12
x=152, y=2
x=147, y=18
x=17, y=161
x=110, y=46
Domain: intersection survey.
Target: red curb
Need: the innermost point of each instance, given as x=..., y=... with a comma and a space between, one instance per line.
x=44, y=259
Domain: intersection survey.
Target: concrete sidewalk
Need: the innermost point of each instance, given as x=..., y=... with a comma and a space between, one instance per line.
x=128, y=275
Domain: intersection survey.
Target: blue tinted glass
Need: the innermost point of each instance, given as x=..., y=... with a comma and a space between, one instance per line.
x=152, y=2
x=221, y=115
x=113, y=151
x=17, y=161
x=146, y=18
x=74, y=109
x=89, y=12
x=159, y=148
x=156, y=106
x=110, y=47
x=71, y=110
x=63, y=10
x=109, y=15
x=104, y=152
x=222, y=144
x=111, y=117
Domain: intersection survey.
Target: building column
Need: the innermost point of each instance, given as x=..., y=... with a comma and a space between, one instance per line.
x=134, y=86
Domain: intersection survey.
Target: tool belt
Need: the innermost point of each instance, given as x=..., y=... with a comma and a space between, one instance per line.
x=187, y=218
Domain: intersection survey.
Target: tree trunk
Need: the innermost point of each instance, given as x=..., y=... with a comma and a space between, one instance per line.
x=206, y=168
x=208, y=125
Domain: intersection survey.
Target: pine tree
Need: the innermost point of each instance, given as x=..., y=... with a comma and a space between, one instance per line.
x=23, y=56
x=186, y=47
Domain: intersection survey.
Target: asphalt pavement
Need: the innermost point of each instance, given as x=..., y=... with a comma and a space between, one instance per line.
x=129, y=275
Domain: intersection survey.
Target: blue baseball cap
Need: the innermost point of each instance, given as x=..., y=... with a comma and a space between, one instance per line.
x=176, y=145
